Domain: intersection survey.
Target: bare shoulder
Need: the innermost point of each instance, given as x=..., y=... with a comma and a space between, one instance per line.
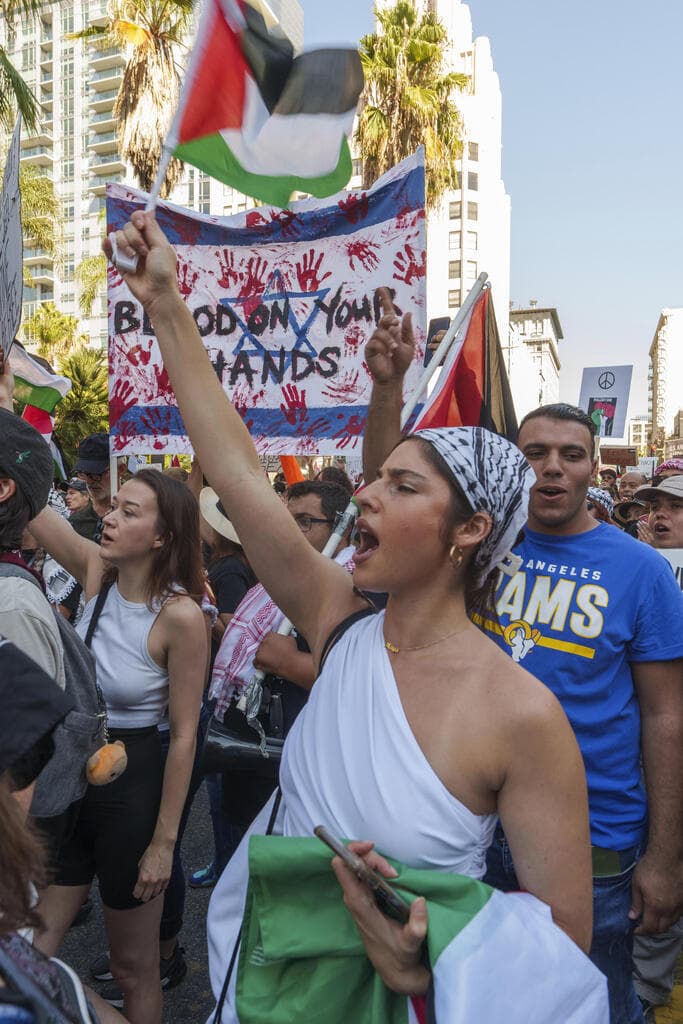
x=523, y=701
x=181, y=612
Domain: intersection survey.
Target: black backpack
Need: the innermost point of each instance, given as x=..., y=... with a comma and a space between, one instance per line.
x=82, y=732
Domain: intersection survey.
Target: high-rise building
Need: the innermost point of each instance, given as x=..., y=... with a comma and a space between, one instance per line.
x=531, y=354
x=76, y=144
x=470, y=231
x=666, y=371
x=639, y=430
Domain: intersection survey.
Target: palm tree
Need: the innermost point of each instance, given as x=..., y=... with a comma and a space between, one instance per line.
x=84, y=410
x=41, y=214
x=154, y=31
x=15, y=94
x=91, y=275
x=408, y=98
x=54, y=332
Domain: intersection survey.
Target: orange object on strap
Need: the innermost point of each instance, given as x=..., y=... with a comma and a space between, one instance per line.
x=291, y=469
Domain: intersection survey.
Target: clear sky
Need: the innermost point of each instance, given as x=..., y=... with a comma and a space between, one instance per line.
x=592, y=161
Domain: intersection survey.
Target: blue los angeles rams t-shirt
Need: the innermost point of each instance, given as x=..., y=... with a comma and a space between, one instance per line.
x=578, y=612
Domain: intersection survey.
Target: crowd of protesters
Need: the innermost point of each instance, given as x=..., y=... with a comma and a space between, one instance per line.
x=487, y=680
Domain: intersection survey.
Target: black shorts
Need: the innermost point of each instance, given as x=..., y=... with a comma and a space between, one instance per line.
x=114, y=824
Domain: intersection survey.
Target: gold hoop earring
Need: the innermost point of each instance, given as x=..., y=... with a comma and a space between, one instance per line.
x=455, y=550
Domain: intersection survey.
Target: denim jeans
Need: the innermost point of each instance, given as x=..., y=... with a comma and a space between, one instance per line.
x=612, y=948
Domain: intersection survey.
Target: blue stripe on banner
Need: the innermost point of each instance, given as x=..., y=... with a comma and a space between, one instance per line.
x=404, y=195
x=320, y=424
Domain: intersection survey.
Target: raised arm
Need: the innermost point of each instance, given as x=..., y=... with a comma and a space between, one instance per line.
x=79, y=556
x=278, y=553
x=388, y=354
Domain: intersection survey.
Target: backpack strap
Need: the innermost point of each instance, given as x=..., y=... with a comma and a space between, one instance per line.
x=96, y=612
x=339, y=630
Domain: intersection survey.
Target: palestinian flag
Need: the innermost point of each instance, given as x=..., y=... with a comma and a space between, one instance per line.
x=259, y=118
x=472, y=389
x=34, y=382
x=494, y=956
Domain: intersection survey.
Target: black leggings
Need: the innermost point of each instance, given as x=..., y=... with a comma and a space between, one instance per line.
x=114, y=824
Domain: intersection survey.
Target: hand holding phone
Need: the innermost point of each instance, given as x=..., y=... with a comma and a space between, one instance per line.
x=387, y=899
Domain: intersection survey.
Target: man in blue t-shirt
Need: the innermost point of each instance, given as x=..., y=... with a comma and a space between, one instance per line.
x=597, y=616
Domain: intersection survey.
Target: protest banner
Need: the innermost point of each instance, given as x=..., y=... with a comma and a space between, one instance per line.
x=675, y=558
x=604, y=396
x=11, y=246
x=284, y=300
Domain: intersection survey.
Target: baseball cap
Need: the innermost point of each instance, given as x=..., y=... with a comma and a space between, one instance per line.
x=26, y=459
x=673, y=486
x=73, y=485
x=93, y=454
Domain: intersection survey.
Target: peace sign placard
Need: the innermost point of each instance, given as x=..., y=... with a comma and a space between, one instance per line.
x=604, y=396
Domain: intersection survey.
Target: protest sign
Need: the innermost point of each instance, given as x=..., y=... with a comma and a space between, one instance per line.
x=647, y=466
x=675, y=557
x=604, y=396
x=11, y=246
x=284, y=301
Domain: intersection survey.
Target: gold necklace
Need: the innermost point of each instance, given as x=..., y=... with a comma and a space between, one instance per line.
x=393, y=649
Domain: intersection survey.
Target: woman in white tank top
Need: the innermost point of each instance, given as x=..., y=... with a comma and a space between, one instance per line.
x=151, y=652
x=464, y=728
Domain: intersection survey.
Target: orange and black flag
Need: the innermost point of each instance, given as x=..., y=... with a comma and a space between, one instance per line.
x=473, y=389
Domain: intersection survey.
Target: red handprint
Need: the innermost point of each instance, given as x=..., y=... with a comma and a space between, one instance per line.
x=354, y=207
x=408, y=266
x=308, y=272
x=254, y=284
x=288, y=221
x=187, y=279
x=345, y=389
x=294, y=405
x=255, y=219
x=114, y=279
x=153, y=424
x=365, y=253
x=349, y=434
x=164, y=386
x=122, y=398
x=226, y=264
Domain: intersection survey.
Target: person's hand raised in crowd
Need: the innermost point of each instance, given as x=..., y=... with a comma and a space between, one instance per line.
x=391, y=348
x=155, y=278
x=6, y=384
x=645, y=532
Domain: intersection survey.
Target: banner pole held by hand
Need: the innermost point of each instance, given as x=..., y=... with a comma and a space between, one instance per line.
x=129, y=264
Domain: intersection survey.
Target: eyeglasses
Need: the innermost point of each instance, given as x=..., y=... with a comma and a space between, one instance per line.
x=305, y=522
x=94, y=477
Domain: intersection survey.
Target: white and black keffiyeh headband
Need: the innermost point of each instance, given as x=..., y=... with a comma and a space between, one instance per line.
x=494, y=477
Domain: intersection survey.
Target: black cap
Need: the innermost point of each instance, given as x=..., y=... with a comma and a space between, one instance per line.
x=32, y=704
x=93, y=454
x=26, y=459
x=73, y=485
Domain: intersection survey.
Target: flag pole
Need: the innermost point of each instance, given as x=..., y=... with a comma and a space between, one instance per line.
x=443, y=349
x=162, y=167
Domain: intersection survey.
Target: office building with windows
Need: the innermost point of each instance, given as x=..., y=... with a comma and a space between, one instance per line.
x=666, y=374
x=639, y=430
x=76, y=144
x=531, y=355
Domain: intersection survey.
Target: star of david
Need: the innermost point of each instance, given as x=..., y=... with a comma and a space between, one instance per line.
x=275, y=289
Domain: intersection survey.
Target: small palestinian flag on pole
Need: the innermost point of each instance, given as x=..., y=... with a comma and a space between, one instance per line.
x=255, y=116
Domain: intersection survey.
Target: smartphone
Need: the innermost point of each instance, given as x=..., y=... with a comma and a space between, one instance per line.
x=439, y=323
x=387, y=899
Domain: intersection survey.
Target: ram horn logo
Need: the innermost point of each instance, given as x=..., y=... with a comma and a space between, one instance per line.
x=520, y=638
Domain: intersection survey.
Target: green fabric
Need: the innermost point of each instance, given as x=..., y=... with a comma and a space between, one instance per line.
x=42, y=396
x=212, y=154
x=302, y=958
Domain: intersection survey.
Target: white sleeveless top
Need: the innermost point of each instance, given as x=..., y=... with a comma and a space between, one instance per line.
x=351, y=762
x=134, y=687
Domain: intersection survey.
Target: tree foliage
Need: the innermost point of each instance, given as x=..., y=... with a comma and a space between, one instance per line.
x=408, y=98
x=55, y=333
x=84, y=410
x=15, y=94
x=41, y=214
x=154, y=31
x=91, y=277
